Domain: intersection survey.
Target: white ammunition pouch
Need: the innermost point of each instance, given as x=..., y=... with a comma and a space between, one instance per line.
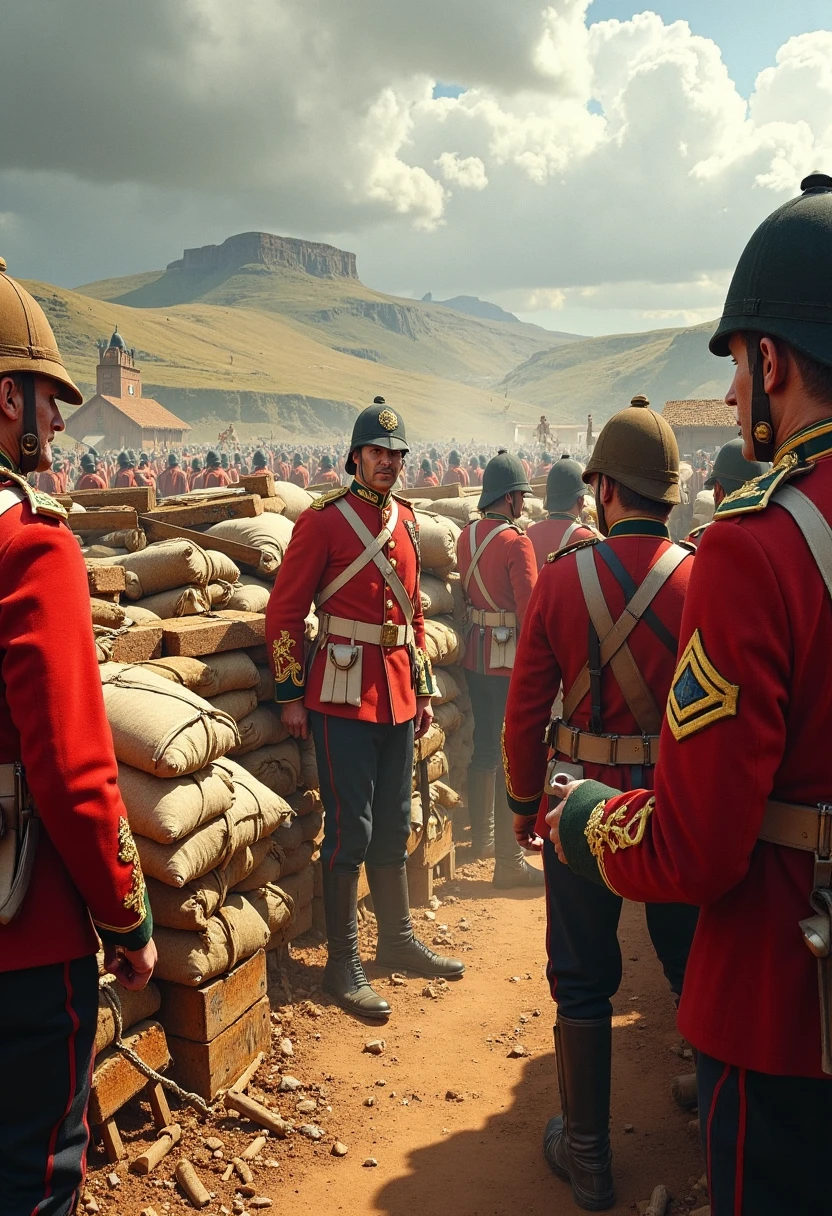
x=341, y=684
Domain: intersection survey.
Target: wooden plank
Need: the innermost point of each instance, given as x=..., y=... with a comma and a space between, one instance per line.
x=211, y=511
x=454, y=491
x=111, y=1139
x=241, y=555
x=214, y=633
x=206, y=1068
x=105, y=578
x=105, y=519
x=201, y=1014
x=135, y=1007
x=258, y=483
x=140, y=498
x=139, y=643
x=421, y=862
x=115, y=1080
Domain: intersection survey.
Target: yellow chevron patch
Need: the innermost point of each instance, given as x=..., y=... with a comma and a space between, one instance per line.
x=699, y=695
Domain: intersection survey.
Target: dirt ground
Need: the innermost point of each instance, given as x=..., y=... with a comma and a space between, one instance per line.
x=450, y=1118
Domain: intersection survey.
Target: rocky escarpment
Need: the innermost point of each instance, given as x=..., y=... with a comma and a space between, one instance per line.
x=398, y=318
x=273, y=252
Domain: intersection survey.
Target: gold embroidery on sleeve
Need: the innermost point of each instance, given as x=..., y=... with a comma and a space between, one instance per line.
x=616, y=832
x=129, y=854
x=285, y=665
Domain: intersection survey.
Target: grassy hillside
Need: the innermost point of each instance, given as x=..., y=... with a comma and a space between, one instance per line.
x=349, y=318
x=217, y=363
x=602, y=374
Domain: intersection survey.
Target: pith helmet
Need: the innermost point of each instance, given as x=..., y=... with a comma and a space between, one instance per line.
x=27, y=343
x=564, y=485
x=123, y=460
x=503, y=474
x=638, y=449
x=783, y=282
x=87, y=463
x=377, y=426
x=212, y=460
x=173, y=460
x=258, y=460
x=732, y=470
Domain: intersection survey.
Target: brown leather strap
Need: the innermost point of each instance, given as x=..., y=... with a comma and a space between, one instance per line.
x=795, y=826
x=583, y=747
x=478, y=616
x=614, y=648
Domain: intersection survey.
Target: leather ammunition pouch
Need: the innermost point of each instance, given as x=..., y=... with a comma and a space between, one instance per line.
x=19, y=832
x=503, y=626
x=341, y=684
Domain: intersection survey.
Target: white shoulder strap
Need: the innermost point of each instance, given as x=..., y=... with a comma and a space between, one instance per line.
x=10, y=496
x=371, y=553
x=476, y=554
x=814, y=526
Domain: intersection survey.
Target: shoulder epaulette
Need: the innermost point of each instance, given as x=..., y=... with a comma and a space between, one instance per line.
x=579, y=544
x=330, y=496
x=41, y=504
x=407, y=502
x=698, y=530
x=756, y=494
x=686, y=545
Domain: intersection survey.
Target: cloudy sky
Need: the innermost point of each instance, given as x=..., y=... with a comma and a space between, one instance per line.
x=592, y=167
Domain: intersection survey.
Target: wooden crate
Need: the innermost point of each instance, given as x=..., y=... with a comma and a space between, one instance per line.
x=115, y=1080
x=103, y=519
x=259, y=483
x=420, y=865
x=201, y=1014
x=140, y=498
x=206, y=1068
x=211, y=511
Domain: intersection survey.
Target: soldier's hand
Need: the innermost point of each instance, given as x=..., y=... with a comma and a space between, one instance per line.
x=554, y=816
x=296, y=718
x=524, y=832
x=132, y=968
x=424, y=717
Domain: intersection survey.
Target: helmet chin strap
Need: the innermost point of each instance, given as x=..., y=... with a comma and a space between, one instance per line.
x=762, y=428
x=29, y=439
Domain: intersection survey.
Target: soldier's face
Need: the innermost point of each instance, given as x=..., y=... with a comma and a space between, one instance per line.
x=379, y=468
x=739, y=394
x=47, y=412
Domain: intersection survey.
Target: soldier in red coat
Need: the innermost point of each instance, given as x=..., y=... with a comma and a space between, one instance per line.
x=738, y=817
x=125, y=476
x=299, y=475
x=426, y=476
x=604, y=620
x=173, y=479
x=89, y=479
x=69, y=869
x=497, y=567
x=455, y=474
x=326, y=475
x=215, y=474
x=364, y=690
x=564, y=502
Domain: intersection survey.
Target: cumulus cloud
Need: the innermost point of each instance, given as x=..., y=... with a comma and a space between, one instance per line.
x=581, y=163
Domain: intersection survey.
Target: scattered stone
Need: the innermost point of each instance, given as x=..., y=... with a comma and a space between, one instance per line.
x=339, y=1149
x=113, y=1180
x=381, y=1083
x=238, y=1207
x=453, y=1096
x=218, y=1154
x=518, y=1052
x=443, y=939
x=286, y=1048
x=144, y=1211
x=213, y=1143
x=307, y=1106
x=398, y=980
x=260, y=1201
x=289, y=1084
x=629, y=1127
x=369, y=1101
x=430, y=991
x=311, y=1131
x=430, y=915
x=434, y=902
x=375, y=1047
x=535, y=1013
x=370, y=1163
x=91, y=1206
x=247, y=1190
x=514, y=979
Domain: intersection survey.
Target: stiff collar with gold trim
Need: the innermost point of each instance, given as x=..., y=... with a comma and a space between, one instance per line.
x=810, y=443
x=371, y=496
x=639, y=526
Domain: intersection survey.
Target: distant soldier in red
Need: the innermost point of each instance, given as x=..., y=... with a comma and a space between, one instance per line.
x=543, y=465
x=426, y=476
x=215, y=474
x=144, y=474
x=455, y=474
x=235, y=468
x=281, y=465
x=125, y=476
x=564, y=502
x=69, y=867
x=89, y=479
x=299, y=475
x=196, y=477
x=327, y=475
x=474, y=472
x=51, y=480
x=172, y=480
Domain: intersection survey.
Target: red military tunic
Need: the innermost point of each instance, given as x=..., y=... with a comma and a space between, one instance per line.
x=123, y=479
x=324, y=544
x=87, y=868
x=426, y=479
x=172, y=481
x=749, y=718
x=91, y=481
x=215, y=477
x=50, y=482
x=508, y=570
x=553, y=648
x=455, y=475
x=328, y=477
x=557, y=531
x=299, y=476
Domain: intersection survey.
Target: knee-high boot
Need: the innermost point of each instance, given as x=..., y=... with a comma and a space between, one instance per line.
x=512, y=869
x=576, y=1144
x=344, y=977
x=481, y=786
x=398, y=948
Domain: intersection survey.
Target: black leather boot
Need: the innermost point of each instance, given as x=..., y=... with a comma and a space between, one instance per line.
x=398, y=948
x=576, y=1144
x=481, y=783
x=512, y=869
x=344, y=977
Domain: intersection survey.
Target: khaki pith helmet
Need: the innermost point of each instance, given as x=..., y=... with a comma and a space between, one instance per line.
x=638, y=449
x=27, y=343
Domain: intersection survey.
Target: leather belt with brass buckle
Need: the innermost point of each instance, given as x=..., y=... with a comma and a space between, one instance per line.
x=389, y=635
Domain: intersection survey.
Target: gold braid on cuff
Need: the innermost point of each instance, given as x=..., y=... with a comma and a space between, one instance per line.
x=616, y=832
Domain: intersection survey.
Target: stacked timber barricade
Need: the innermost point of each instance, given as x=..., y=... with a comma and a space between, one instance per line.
x=223, y=804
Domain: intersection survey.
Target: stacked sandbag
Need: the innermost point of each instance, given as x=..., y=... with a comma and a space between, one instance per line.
x=437, y=541
x=270, y=533
x=444, y=641
x=175, y=578
x=461, y=510
x=295, y=498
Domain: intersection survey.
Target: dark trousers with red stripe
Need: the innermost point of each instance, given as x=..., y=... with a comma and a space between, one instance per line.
x=767, y=1141
x=47, y=1030
x=365, y=771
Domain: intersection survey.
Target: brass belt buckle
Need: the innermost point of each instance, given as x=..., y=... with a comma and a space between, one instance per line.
x=823, y=852
x=646, y=740
x=613, y=748
x=389, y=635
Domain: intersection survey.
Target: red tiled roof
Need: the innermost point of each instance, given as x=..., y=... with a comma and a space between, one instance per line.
x=712, y=412
x=146, y=412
